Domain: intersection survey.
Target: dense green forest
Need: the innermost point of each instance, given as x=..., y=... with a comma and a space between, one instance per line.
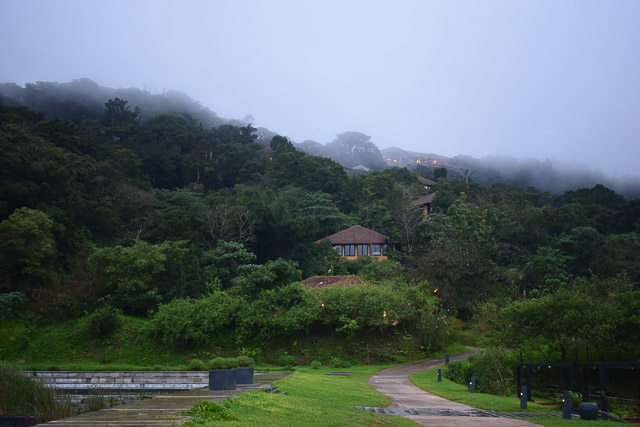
x=203, y=234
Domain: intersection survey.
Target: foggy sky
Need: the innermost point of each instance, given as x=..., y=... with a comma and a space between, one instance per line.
x=553, y=79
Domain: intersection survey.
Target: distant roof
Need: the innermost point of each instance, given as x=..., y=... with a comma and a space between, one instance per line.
x=361, y=167
x=426, y=181
x=324, y=281
x=424, y=200
x=356, y=234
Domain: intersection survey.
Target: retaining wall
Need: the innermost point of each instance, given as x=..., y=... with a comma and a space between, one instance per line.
x=123, y=380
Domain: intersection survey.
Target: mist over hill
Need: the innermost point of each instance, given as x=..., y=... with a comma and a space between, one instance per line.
x=350, y=149
x=84, y=98
x=553, y=176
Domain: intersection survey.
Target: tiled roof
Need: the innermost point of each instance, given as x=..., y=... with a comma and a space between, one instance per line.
x=423, y=200
x=356, y=234
x=324, y=281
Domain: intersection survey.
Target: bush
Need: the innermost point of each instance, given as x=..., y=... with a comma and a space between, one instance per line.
x=339, y=363
x=206, y=411
x=361, y=308
x=245, y=362
x=316, y=364
x=197, y=365
x=223, y=363
x=458, y=371
x=380, y=271
x=104, y=321
x=193, y=322
x=493, y=369
x=12, y=305
x=287, y=361
x=283, y=311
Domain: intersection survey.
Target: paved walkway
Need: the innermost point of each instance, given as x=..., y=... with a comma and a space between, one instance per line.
x=413, y=403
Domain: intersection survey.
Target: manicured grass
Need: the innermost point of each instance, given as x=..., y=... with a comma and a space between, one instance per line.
x=315, y=399
x=428, y=380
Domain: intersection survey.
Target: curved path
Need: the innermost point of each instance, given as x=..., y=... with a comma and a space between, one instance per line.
x=395, y=383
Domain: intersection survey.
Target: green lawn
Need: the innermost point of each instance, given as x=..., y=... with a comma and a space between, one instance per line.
x=428, y=380
x=559, y=422
x=315, y=399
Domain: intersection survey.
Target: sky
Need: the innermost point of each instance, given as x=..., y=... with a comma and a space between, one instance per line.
x=556, y=79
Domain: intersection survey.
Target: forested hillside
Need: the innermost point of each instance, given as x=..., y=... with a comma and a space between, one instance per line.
x=206, y=234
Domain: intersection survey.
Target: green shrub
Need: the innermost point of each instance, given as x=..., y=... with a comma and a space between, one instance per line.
x=339, y=363
x=104, y=321
x=493, y=369
x=193, y=322
x=458, y=371
x=287, y=361
x=12, y=305
x=316, y=364
x=223, y=363
x=380, y=271
x=282, y=311
x=206, y=411
x=197, y=365
x=245, y=362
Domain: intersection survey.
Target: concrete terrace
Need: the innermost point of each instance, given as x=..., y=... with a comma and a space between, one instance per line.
x=161, y=409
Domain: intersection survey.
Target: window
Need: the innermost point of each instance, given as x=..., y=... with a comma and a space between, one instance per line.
x=338, y=249
x=375, y=250
x=349, y=250
x=363, y=250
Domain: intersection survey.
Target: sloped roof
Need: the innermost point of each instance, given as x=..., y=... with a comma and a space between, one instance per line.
x=426, y=181
x=320, y=282
x=356, y=234
x=420, y=201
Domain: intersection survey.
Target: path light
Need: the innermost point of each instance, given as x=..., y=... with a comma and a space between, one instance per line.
x=523, y=397
x=322, y=305
x=566, y=405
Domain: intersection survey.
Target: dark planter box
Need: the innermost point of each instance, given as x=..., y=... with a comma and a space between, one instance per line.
x=244, y=375
x=222, y=379
x=16, y=420
x=588, y=410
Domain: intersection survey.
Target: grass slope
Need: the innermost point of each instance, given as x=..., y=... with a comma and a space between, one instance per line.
x=69, y=345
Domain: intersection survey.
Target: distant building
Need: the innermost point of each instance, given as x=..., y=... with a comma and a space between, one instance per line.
x=358, y=241
x=424, y=203
x=394, y=156
x=427, y=184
